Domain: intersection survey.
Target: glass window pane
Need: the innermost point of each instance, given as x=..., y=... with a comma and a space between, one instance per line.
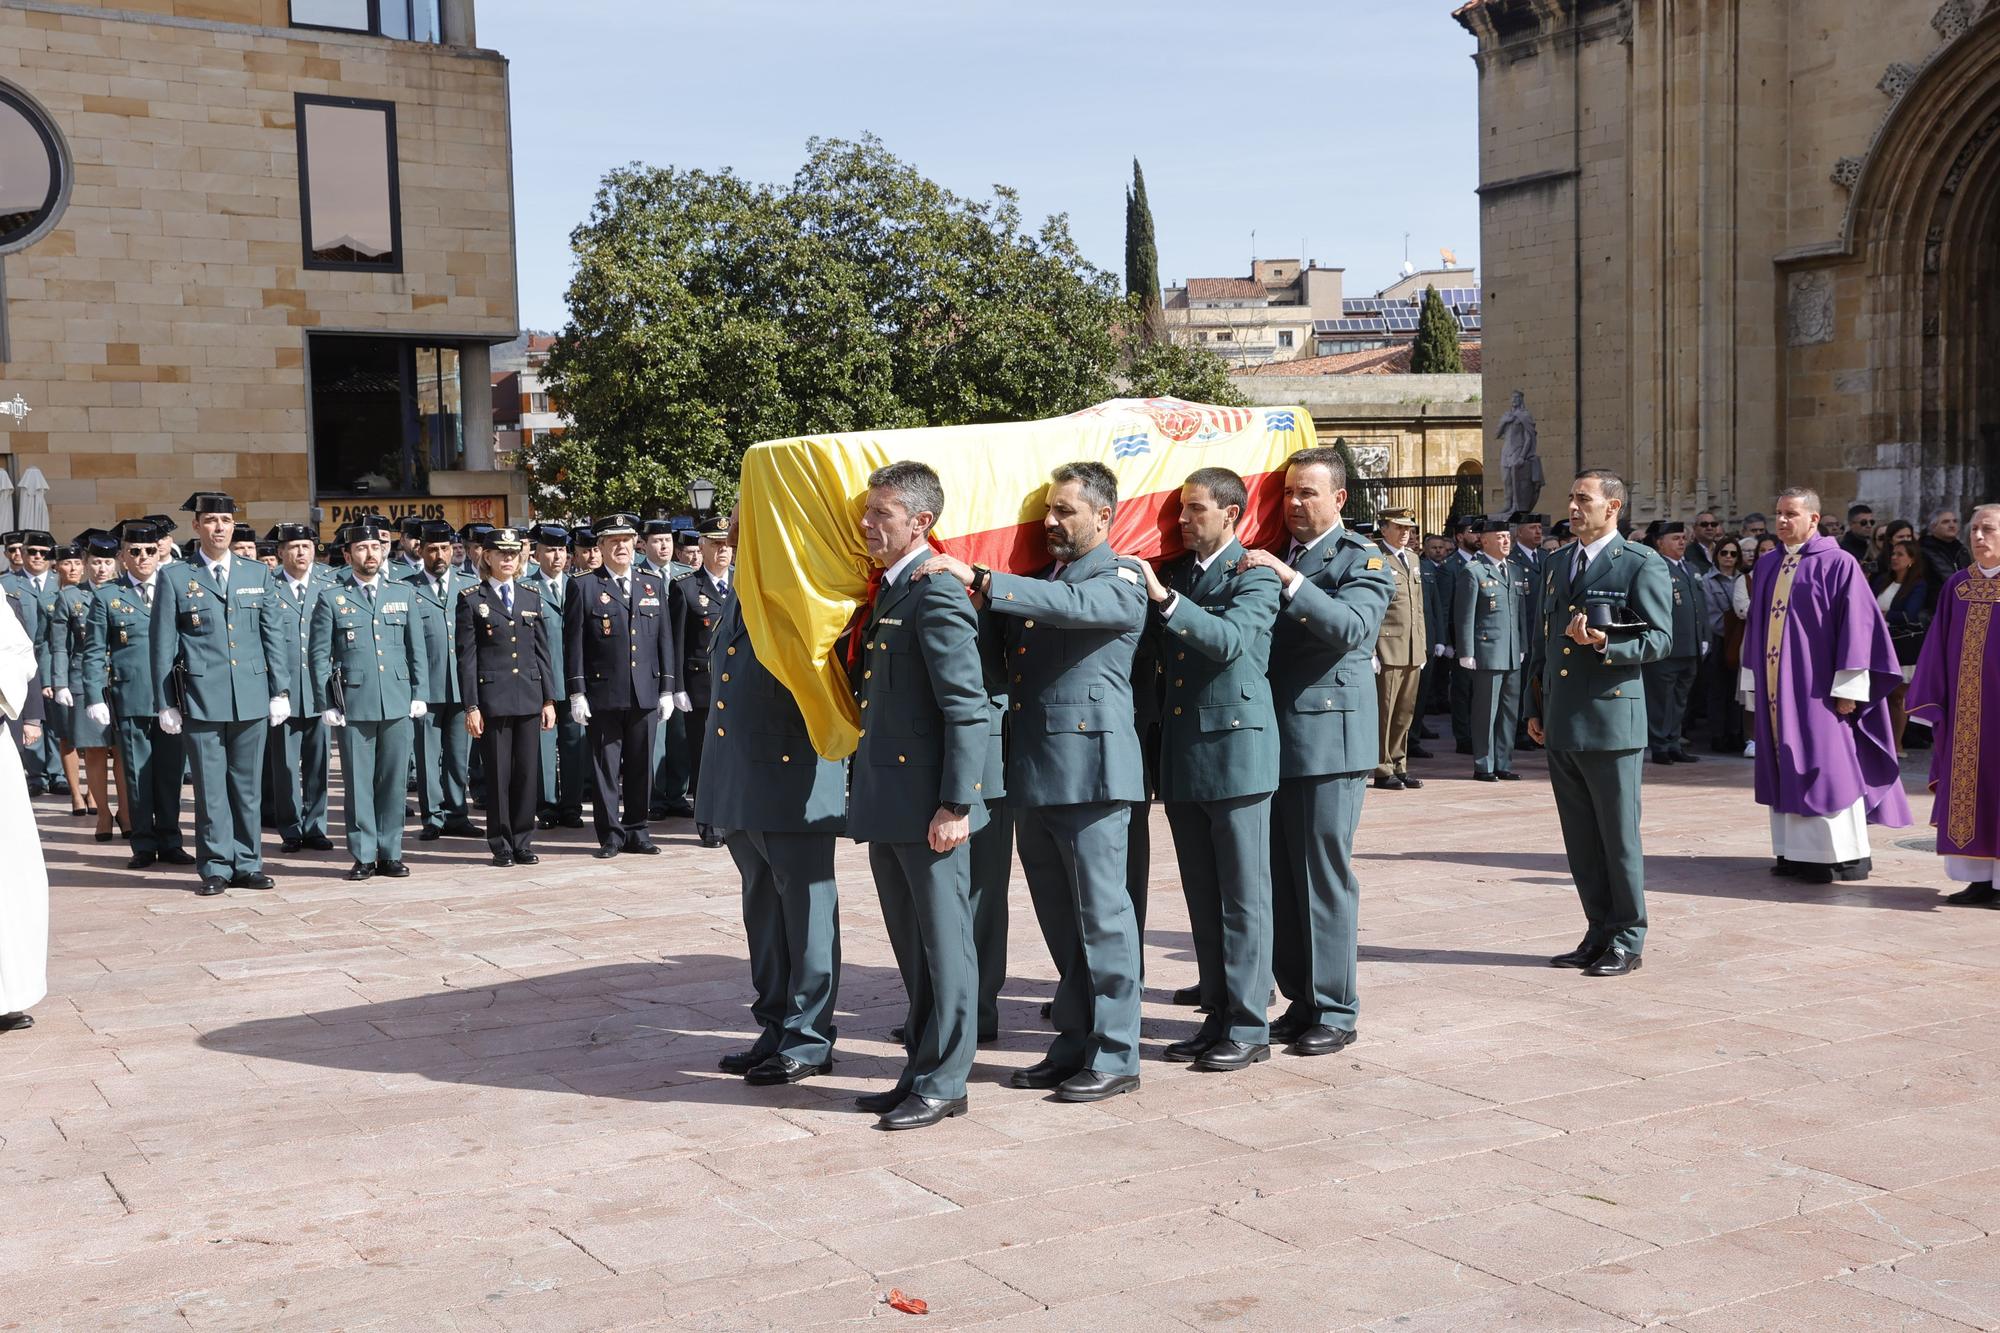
x=396, y=18
x=349, y=195
x=29, y=173
x=352, y=14
x=424, y=25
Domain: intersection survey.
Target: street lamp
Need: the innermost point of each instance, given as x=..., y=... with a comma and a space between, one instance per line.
x=701, y=492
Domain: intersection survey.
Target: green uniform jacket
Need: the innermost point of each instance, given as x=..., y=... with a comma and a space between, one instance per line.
x=43, y=628
x=1070, y=642
x=925, y=722
x=1322, y=650
x=379, y=650
x=440, y=617
x=552, y=622
x=232, y=639
x=759, y=772
x=298, y=626
x=1491, y=627
x=1218, y=731
x=1590, y=700
x=118, y=654
x=67, y=634
x=1690, y=621
x=1531, y=568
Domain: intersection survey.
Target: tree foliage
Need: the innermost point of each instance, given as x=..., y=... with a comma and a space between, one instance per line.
x=1167, y=369
x=1436, y=350
x=708, y=312
x=1360, y=506
x=1142, y=260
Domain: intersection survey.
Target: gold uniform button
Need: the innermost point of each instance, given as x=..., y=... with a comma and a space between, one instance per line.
x=720, y=732
x=784, y=759
x=1017, y=708
x=1027, y=624
x=1080, y=726
x=732, y=652
x=1563, y=672
x=1177, y=680
x=902, y=759
x=864, y=703
x=1177, y=711
x=1565, y=652
x=1618, y=694
x=725, y=678
x=1234, y=723
x=868, y=675
x=978, y=786
x=720, y=704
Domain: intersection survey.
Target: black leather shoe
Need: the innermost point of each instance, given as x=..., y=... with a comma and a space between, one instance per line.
x=742, y=1062
x=709, y=837
x=1582, y=956
x=1981, y=894
x=290, y=845
x=502, y=861
x=175, y=857
x=104, y=836
x=1225, y=1056
x=918, y=1112
x=1321, y=1040
x=1087, y=1085
x=1615, y=963
x=1187, y=997
x=1683, y=757
x=527, y=858
x=881, y=1103
x=783, y=1069
x=462, y=828
x=1485, y=777
x=547, y=819
x=360, y=871
x=1286, y=1027
x=605, y=853
x=430, y=834
x=1410, y=782
x=1048, y=1007
x=393, y=869
x=1465, y=747
x=1806, y=872
x=1389, y=784
x=1660, y=756
x=900, y=1035
x=1783, y=867
x=1189, y=1051
x=16, y=1022
x=316, y=842
x=1852, y=872
x=572, y=821
x=251, y=879
x=1042, y=1075
x=648, y=848
x=1419, y=752
x=1508, y=775
x=140, y=860
x=211, y=886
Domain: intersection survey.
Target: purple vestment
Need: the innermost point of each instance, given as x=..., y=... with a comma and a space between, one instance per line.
x=1814, y=761
x=1956, y=689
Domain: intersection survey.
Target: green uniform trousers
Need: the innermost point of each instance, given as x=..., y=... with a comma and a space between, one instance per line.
x=565, y=766
x=1669, y=682
x=1314, y=895
x=791, y=915
x=373, y=758
x=1496, y=718
x=670, y=765
x=1074, y=858
x=1224, y=851
x=155, y=763
x=927, y=908
x=1597, y=799
x=228, y=763
x=1461, y=704
x=992, y=866
x=296, y=767
x=444, y=765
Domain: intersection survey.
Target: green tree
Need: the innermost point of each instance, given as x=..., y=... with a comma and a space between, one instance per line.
x=708, y=312
x=1360, y=506
x=1465, y=500
x=1167, y=369
x=1436, y=351
x=1142, y=260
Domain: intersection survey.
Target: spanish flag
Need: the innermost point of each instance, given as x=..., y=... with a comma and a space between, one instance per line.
x=802, y=568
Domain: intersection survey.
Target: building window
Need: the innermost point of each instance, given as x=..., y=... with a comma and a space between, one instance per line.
x=1225, y=337
x=538, y=402
x=1284, y=337
x=31, y=172
x=407, y=20
x=1201, y=337
x=349, y=205
x=385, y=414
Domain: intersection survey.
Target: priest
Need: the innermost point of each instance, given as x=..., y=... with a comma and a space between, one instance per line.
x=1818, y=670
x=24, y=889
x=1957, y=675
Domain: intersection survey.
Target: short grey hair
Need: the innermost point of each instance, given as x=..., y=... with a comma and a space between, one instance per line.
x=1803, y=493
x=1947, y=511
x=1977, y=510
x=1098, y=483
x=915, y=486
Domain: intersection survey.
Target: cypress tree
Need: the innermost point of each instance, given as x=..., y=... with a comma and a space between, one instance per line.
x=1436, y=350
x=1360, y=506
x=1142, y=257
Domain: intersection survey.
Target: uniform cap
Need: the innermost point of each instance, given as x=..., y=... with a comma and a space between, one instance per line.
x=69, y=551
x=501, y=539
x=10, y=538
x=582, y=535
x=714, y=529
x=98, y=542
x=412, y=525
x=1670, y=527
x=429, y=530
x=244, y=533
x=1399, y=515
x=1521, y=517
x=657, y=527
x=209, y=502
x=686, y=537
x=34, y=539
x=616, y=525
x=470, y=533
x=267, y=548
x=294, y=532
x=136, y=532
x=365, y=530
x=549, y=534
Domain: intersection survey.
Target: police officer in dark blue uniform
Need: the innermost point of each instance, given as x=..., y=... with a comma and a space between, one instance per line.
x=699, y=600
x=508, y=682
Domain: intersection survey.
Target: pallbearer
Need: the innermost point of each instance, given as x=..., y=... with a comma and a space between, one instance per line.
x=509, y=687
x=1957, y=679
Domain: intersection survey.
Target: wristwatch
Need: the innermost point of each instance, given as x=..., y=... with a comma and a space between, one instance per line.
x=958, y=809
x=981, y=576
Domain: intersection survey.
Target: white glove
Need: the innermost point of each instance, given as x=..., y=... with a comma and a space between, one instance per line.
x=681, y=702
x=418, y=708
x=64, y=697
x=99, y=713
x=333, y=717
x=281, y=710
x=170, y=721
x=579, y=709
x=1442, y=650
x=666, y=706
x=1469, y=663
x=1704, y=650
x=1376, y=663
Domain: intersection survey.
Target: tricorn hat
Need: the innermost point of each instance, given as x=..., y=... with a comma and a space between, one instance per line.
x=209, y=502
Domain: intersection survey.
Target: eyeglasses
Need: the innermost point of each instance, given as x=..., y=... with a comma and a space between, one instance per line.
x=1708, y=523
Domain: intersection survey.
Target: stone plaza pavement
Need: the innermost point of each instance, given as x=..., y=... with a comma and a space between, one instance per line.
x=480, y=1099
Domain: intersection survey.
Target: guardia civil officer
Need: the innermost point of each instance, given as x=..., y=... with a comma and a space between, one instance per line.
x=370, y=668
x=443, y=747
x=781, y=807
x=565, y=750
x=1491, y=633
x=1336, y=587
x=39, y=588
x=618, y=648
x=119, y=691
x=509, y=686
x=1074, y=770
x=1218, y=751
x=699, y=600
x=297, y=760
x=1607, y=608
x=915, y=797
x=223, y=666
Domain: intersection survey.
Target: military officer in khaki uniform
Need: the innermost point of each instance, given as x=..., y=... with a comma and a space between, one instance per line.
x=1401, y=650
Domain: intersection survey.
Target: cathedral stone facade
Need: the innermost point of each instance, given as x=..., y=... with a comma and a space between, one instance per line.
x=1733, y=245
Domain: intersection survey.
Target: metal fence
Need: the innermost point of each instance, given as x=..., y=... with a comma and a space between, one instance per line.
x=1432, y=499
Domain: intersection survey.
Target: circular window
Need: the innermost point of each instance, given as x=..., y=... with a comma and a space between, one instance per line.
x=31, y=171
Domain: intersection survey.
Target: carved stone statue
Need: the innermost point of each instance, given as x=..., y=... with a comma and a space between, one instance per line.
x=1520, y=464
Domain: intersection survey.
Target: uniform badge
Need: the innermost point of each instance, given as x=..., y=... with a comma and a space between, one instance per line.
x=123, y=639
x=702, y=597
x=605, y=598
x=484, y=611
x=1374, y=562
x=194, y=619
x=1130, y=576
x=340, y=599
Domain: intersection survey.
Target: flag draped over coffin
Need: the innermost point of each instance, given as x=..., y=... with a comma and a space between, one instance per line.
x=802, y=569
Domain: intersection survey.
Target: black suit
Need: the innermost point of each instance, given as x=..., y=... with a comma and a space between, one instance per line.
x=620, y=658
x=505, y=671
x=698, y=603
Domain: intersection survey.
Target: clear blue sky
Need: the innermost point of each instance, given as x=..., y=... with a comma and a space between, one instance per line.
x=1329, y=129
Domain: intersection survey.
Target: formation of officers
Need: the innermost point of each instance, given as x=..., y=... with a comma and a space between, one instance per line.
x=439, y=662
x=1038, y=716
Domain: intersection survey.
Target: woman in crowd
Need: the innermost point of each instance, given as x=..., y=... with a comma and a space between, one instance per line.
x=1904, y=595
x=65, y=682
x=1886, y=537
x=1725, y=628
x=96, y=745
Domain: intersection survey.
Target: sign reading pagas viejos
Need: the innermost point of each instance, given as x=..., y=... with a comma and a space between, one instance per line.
x=457, y=510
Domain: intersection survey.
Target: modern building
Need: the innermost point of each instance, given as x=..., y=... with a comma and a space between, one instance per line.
x=1390, y=317
x=523, y=416
x=1286, y=310
x=1733, y=246
x=261, y=246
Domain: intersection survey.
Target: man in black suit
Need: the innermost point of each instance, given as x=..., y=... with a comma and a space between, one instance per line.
x=699, y=601
x=508, y=682
x=618, y=650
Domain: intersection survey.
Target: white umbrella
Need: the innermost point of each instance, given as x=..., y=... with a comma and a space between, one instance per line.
x=31, y=500
x=6, y=501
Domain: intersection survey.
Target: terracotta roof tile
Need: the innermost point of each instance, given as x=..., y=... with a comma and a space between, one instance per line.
x=1378, y=361
x=1225, y=289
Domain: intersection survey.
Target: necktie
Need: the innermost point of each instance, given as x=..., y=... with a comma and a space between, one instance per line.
x=1298, y=549
x=625, y=590
x=368, y=590
x=507, y=598
x=722, y=587
x=1055, y=571
x=1582, y=563
x=861, y=615
x=147, y=590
